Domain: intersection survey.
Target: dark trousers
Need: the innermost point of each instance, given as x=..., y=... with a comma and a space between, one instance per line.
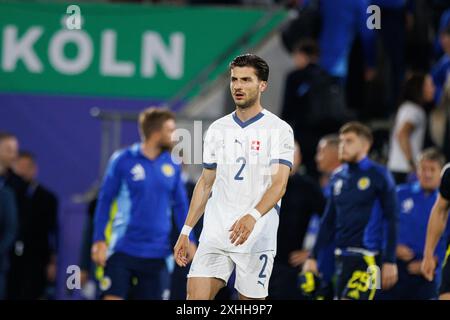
x=283, y=283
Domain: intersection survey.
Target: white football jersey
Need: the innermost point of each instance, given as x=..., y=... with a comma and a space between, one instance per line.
x=241, y=153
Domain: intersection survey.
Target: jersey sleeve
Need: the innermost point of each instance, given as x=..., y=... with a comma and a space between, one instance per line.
x=326, y=228
x=389, y=204
x=282, y=146
x=108, y=192
x=444, y=189
x=209, y=150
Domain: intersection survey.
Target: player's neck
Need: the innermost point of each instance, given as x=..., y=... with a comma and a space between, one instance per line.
x=333, y=169
x=248, y=113
x=150, y=149
x=361, y=157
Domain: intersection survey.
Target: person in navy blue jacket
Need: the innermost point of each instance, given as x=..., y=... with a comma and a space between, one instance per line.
x=416, y=200
x=352, y=221
x=141, y=186
x=436, y=227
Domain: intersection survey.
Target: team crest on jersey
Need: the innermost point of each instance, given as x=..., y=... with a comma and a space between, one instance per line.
x=138, y=172
x=407, y=205
x=363, y=183
x=338, y=187
x=105, y=283
x=255, y=145
x=168, y=170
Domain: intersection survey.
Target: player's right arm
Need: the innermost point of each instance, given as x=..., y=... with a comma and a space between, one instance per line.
x=436, y=226
x=200, y=196
x=108, y=192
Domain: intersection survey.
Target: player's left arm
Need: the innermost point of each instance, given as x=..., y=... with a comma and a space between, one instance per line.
x=389, y=204
x=242, y=228
x=281, y=159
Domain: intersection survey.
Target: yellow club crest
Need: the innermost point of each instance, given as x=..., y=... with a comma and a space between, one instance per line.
x=105, y=283
x=168, y=170
x=363, y=183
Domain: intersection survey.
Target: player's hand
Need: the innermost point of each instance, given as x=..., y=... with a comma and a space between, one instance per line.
x=389, y=275
x=428, y=266
x=404, y=253
x=311, y=266
x=98, y=253
x=414, y=267
x=180, y=251
x=298, y=257
x=241, y=229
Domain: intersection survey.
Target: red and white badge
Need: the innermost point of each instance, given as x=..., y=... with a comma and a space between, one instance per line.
x=255, y=145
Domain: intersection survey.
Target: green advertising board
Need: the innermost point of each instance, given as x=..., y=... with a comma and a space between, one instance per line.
x=121, y=50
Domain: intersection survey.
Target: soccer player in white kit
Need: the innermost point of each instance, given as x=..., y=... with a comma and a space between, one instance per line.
x=247, y=157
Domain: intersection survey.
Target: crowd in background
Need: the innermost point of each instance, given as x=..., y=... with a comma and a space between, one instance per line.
x=343, y=71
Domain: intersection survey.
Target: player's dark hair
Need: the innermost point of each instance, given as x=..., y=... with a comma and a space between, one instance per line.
x=251, y=60
x=413, y=88
x=6, y=135
x=359, y=129
x=432, y=154
x=152, y=119
x=27, y=155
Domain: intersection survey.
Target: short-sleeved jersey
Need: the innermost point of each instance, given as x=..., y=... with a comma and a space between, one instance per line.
x=242, y=154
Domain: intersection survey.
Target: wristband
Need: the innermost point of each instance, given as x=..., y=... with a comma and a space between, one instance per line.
x=255, y=214
x=186, y=230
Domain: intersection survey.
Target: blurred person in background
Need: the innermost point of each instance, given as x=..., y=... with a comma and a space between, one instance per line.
x=132, y=226
x=327, y=161
x=342, y=20
x=8, y=228
x=357, y=187
x=303, y=199
x=35, y=264
x=313, y=104
x=396, y=17
x=416, y=200
x=408, y=134
x=440, y=70
x=9, y=148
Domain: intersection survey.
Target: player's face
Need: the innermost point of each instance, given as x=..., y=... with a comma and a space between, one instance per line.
x=25, y=168
x=8, y=152
x=326, y=157
x=351, y=147
x=167, y=130
x=428, y=89
x=429, y=174
x=245, y=87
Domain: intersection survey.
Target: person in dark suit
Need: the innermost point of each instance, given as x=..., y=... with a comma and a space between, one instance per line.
x=34, y=258
x=8, y=225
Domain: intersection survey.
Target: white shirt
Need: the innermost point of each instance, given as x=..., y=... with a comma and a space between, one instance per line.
x=414, y=114
x=242, y=153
